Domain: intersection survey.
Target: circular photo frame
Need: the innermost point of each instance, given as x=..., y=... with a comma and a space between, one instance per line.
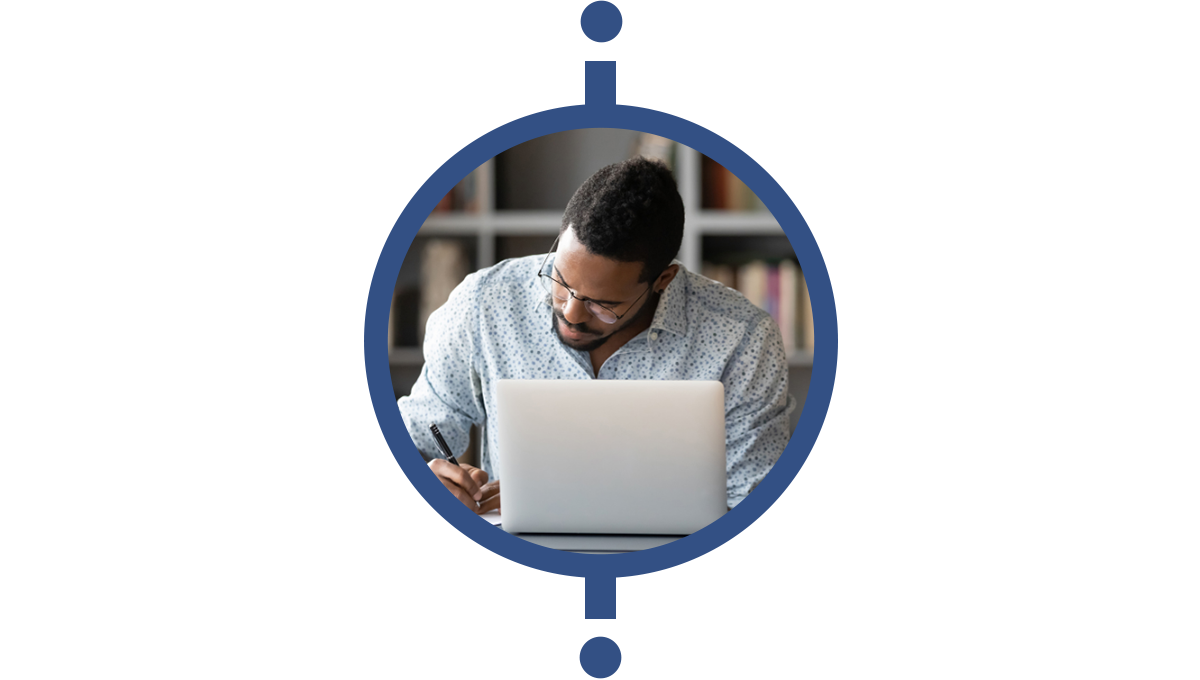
x=820, y=390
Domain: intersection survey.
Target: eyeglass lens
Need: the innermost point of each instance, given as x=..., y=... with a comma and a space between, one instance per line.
x=562, y=294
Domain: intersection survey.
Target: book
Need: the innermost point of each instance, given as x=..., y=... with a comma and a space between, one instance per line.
x=721, y=273
x=463, y=197
x=806, y=334
x=772, y=301
x=752, y=282
x=443, y=266
x=723, y=190
x=446, y=204
x=789, y=293
x=714, y=184
x=777, y=288
x=466, y=193
x=735, y=192
x=655, y=147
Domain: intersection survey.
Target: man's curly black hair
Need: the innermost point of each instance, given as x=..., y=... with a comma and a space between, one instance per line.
x=629, y=212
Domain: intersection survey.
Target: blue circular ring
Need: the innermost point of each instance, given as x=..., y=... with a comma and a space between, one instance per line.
x=379, y=380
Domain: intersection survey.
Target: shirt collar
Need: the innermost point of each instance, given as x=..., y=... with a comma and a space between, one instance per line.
x=540, y=297
x=671, y=314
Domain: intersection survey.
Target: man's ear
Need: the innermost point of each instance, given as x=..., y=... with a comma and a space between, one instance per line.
x=665, y=278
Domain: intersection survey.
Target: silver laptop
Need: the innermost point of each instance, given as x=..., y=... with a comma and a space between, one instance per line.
x=644, y=457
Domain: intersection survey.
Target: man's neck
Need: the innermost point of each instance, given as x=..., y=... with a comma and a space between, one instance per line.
x=616, y=341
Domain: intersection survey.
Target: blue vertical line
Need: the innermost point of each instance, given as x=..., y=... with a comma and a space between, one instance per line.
x=600, y=597
x=600, y=83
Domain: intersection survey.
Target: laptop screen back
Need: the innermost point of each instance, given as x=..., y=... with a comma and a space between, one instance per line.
x=611, y=456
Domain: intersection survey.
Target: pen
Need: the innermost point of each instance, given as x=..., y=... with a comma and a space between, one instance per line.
x=442, y=445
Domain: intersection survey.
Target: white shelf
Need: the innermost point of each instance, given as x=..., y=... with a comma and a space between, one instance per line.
x=526, y=221
x=406, y=356
x=453, y=224
x=733, y=222
x=547, y=222
x=800, y=358
x=500, y=223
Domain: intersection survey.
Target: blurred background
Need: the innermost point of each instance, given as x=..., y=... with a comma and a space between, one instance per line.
x=512, y=206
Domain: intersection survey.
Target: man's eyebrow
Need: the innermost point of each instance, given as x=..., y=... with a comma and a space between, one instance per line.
x=564, y=280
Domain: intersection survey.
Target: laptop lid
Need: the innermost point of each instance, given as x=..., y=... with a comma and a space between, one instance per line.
x=611, y=456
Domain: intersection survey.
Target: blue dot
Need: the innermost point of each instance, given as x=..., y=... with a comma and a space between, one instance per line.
x=600, y=657
x=601, y=21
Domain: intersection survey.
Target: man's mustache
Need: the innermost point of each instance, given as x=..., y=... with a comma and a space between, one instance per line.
x=577, y=328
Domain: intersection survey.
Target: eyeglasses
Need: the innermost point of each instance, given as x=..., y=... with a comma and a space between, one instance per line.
x=559, y=291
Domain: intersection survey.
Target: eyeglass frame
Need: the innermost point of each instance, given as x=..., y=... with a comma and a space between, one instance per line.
x=584, y=300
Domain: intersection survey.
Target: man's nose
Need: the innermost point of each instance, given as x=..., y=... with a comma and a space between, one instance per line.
x=575, y=311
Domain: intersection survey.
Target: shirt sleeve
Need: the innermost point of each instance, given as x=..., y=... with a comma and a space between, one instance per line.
x=757, y=408
x=448, y=392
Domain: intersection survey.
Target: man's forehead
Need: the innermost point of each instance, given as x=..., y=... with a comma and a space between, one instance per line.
x=582, y=269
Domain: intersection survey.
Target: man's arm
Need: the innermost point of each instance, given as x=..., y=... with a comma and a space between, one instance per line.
x=757, y=408
x=448, y=394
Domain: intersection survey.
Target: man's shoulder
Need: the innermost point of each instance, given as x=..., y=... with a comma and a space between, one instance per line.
x=506, y=276
x=516, y=269
x=488, y=292
x=709, y=298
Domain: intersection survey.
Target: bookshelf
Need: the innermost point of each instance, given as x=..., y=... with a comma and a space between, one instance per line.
x=512, y=206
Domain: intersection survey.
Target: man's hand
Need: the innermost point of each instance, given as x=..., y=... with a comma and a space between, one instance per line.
x=468, y=484
x=491, y=496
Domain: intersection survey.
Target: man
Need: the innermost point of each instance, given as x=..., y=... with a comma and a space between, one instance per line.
x=609, y=302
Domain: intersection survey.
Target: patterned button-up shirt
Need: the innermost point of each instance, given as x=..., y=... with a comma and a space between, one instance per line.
x=497, y=324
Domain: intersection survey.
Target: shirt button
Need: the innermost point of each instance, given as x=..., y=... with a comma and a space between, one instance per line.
x=654, y=336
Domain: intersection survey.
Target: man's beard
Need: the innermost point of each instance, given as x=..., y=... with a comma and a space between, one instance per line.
x=584, y=345
x=587, y=345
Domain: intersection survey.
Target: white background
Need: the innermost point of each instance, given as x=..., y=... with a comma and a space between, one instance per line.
x=194, y=198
